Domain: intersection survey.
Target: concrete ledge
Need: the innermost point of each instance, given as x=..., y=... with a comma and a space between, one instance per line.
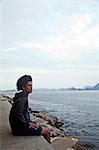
x=10, y=142
x=63, y=143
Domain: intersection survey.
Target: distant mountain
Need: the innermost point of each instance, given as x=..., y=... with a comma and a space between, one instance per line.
x=13, y=90
x=73, y=89
x=96, y=87
x=87, y=87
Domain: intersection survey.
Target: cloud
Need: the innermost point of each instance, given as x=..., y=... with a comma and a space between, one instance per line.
x=78, y=34
x=10, y=49
x=53, y=78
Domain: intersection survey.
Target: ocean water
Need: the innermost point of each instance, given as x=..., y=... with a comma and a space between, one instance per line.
x=78, y=110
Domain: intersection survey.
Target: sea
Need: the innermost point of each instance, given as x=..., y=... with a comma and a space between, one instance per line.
x=78, y=110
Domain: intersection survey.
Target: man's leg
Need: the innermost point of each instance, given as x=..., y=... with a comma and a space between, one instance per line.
x=46, y=134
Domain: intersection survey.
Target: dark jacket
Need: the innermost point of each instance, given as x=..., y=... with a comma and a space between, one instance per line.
x=19, y=116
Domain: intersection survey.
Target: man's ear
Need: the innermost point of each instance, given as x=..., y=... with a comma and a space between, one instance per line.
x=23, y=88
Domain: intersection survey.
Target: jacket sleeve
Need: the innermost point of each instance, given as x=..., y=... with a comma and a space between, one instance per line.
x=20, y=111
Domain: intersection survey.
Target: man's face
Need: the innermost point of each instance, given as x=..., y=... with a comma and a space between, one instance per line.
x=28, y=87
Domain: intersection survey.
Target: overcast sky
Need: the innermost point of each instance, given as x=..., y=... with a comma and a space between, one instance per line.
x=54, y=41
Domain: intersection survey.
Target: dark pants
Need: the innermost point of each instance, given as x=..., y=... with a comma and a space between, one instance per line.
x=27, y=131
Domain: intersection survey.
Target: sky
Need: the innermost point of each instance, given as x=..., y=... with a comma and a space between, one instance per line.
x=54, y=41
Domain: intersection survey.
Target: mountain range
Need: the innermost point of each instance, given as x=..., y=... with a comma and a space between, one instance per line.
x=95, y=87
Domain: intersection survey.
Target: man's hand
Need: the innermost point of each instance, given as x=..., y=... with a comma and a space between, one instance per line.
x=33, y=125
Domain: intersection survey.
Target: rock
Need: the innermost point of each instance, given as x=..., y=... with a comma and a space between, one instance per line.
x=70, y=149
x=53, y=121
x=41, y=115
x=40, y=121
x=57, y=133
x=61, y=129
x=59, y=124
x=79, y=146
x=2, y=98
x=62, y=143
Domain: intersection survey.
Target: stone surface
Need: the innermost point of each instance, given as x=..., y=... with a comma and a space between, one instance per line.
x=62, y=143
x=70, y=149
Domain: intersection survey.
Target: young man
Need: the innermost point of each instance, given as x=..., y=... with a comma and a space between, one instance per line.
x=19, y=116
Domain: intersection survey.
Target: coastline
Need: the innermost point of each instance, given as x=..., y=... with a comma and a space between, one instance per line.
x=48, y=121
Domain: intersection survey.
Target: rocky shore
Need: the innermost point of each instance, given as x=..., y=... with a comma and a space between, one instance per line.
x=50, y=122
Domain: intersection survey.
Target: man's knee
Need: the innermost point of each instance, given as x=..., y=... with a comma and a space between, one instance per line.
x=45, y=131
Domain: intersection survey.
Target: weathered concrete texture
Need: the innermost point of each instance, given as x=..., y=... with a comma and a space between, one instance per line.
x=10, y=142
x=63, y=143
